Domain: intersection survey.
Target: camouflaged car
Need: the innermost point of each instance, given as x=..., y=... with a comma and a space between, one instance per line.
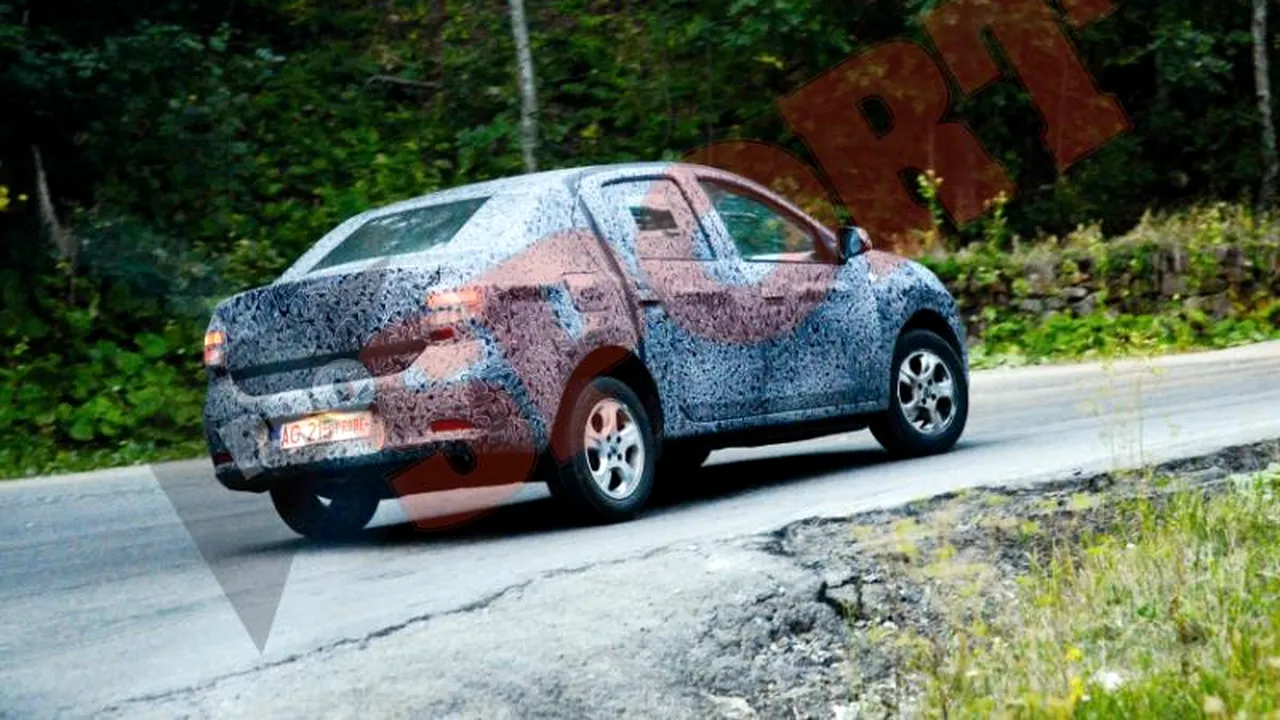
x=601, y=329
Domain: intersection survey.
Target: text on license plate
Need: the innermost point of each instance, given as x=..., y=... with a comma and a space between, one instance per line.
x=326, y=428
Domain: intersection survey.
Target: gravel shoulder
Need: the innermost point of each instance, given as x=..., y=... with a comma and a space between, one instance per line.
x=790, y=624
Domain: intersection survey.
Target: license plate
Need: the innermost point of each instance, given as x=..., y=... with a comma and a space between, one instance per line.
x=326, y=428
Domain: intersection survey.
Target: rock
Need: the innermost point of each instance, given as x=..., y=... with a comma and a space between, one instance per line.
x=845, y=712
x=845, y=599
x=1033, y=306
x=838, y=578
x=755, y=635
x=1086, y=306
x=874, y=602
x=1041, y=278
x=1171, y=285
x=799, y=621
x=1231, y=260
x=1208, y=475
x=734, y=708
x=1217, y=306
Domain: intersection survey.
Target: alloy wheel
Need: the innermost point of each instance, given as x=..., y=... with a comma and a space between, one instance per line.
x=615, y=449
x=926, y=392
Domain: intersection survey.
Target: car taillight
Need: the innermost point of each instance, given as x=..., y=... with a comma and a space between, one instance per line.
x=214, y=341
x=451, y=425
x=450, y=311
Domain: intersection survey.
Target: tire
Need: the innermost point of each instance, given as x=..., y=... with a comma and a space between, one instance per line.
x=349, y=508
x=608, y=474
x=922, y=362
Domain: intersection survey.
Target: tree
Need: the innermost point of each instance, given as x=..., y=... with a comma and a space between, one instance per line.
x=1262, y=78
x=528, y=88
x=62, y=238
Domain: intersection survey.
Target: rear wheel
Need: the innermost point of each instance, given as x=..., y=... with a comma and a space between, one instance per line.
x=334, y=513
x=608, y=473
x=929, y=397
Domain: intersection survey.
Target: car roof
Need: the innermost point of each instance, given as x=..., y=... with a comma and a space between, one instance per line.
x=567, y=178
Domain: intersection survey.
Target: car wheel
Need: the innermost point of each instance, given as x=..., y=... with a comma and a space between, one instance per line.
x=928, y=400
x=329, y=514
x=607, y=475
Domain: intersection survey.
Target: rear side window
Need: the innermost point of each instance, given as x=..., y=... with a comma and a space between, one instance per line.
x=663, y=223
x=405, y=232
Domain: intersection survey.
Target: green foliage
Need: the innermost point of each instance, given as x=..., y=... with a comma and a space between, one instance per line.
x=1167, y=610
x=1208, y=277
x=79, y=385
x=1059, y=337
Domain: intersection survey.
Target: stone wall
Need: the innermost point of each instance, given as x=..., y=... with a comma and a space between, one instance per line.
x=1144, y=273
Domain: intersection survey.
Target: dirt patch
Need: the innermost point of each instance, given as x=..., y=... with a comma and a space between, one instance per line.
x=890, y=584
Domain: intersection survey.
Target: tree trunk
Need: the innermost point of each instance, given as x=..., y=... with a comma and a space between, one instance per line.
x=528, y=88
x=1262, y=79
x=65, y=242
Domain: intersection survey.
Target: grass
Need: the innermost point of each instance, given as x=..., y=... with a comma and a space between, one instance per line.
x=43, y=459
x=1164, y=607
x=1058, y=338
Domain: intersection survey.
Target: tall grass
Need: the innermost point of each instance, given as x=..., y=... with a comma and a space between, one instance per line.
x=1170, y=609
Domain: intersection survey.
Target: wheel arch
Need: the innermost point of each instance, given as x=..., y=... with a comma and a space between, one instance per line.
x=934, y=322
x=615, y=362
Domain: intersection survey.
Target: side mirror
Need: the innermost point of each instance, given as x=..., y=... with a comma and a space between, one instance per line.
x=853, y=242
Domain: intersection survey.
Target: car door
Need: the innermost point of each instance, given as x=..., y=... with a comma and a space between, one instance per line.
x=689, y=314
x=819, y=314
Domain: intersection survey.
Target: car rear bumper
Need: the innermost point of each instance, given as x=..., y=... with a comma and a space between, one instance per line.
x=378, y=470
x=444, y=424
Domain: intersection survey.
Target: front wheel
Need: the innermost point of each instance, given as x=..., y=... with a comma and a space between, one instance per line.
x=330, y=514
x=929, y=397
x=607, y=475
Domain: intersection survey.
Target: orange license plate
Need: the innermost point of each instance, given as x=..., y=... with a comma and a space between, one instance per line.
x=326, y=428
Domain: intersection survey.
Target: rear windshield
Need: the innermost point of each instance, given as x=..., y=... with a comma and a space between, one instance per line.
x=405, y=232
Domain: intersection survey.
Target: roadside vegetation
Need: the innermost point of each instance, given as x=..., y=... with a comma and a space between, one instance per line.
x=1158, y=596
x=1203, y=278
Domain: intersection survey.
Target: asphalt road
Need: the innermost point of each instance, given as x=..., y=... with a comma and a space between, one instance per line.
x=110, y=600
